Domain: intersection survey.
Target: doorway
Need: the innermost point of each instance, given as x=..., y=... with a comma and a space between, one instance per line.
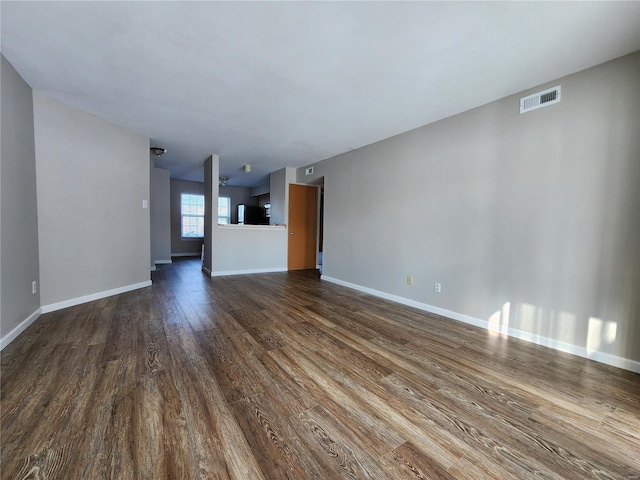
x=303, y=222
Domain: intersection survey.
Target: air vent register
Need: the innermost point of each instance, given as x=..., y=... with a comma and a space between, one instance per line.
x=540, y=99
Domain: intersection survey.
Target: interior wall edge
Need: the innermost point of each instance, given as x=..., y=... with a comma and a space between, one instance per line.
x=93, y=296
x=601, y=357
x=18, y=329
x=248, y=271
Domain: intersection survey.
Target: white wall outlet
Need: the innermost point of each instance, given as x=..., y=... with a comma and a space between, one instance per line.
x=437, y=287
x=409, y=280
x=145, y=204
x=34, y=286
x=308, y=171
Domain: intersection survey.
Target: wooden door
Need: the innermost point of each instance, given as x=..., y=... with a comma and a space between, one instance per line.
x=303, y=219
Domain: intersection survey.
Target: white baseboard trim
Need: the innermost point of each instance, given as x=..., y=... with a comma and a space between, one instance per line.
x=94, y=296
x=162, y=262
x=248, y=272
x=21, y=327
x=207, y=271
x=602, y=357
x=411, y=303
x=194, y=254
x=153, y=268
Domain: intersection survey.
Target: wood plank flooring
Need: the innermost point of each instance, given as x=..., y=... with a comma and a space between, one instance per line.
x=283, y=376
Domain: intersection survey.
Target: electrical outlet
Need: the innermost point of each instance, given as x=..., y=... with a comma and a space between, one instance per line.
x=34, y=287
x=437, y=287
x=409, y=280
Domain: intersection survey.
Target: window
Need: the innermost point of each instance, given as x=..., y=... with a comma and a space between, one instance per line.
x=224, y=210
x=192, y=209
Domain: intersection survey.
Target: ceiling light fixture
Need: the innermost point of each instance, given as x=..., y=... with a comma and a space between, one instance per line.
x=158, y=151
x=222, y=181
x=247, y=168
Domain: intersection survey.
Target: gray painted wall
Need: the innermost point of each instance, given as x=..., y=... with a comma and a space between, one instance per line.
x=277, y=188
x=529, y=221
x=160, y=216
x=261, y=189
x=92, y=177
x=152, y=261
x=211, y=169
x=180, y=246
x=19, y=214
x=279, y=191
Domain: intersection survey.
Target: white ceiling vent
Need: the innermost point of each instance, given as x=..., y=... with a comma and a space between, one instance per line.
x=540, y=99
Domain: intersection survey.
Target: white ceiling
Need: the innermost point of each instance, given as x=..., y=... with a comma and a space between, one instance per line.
x=291, y=83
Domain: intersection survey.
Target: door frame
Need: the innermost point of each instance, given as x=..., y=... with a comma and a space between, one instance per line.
x=316, y=188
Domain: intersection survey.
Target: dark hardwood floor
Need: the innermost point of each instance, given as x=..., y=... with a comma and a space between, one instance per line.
x=285, y=376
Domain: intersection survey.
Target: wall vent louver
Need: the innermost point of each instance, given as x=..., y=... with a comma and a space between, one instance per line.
x=540, y=99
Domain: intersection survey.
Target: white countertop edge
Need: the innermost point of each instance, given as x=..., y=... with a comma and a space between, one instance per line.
x=233, y=226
